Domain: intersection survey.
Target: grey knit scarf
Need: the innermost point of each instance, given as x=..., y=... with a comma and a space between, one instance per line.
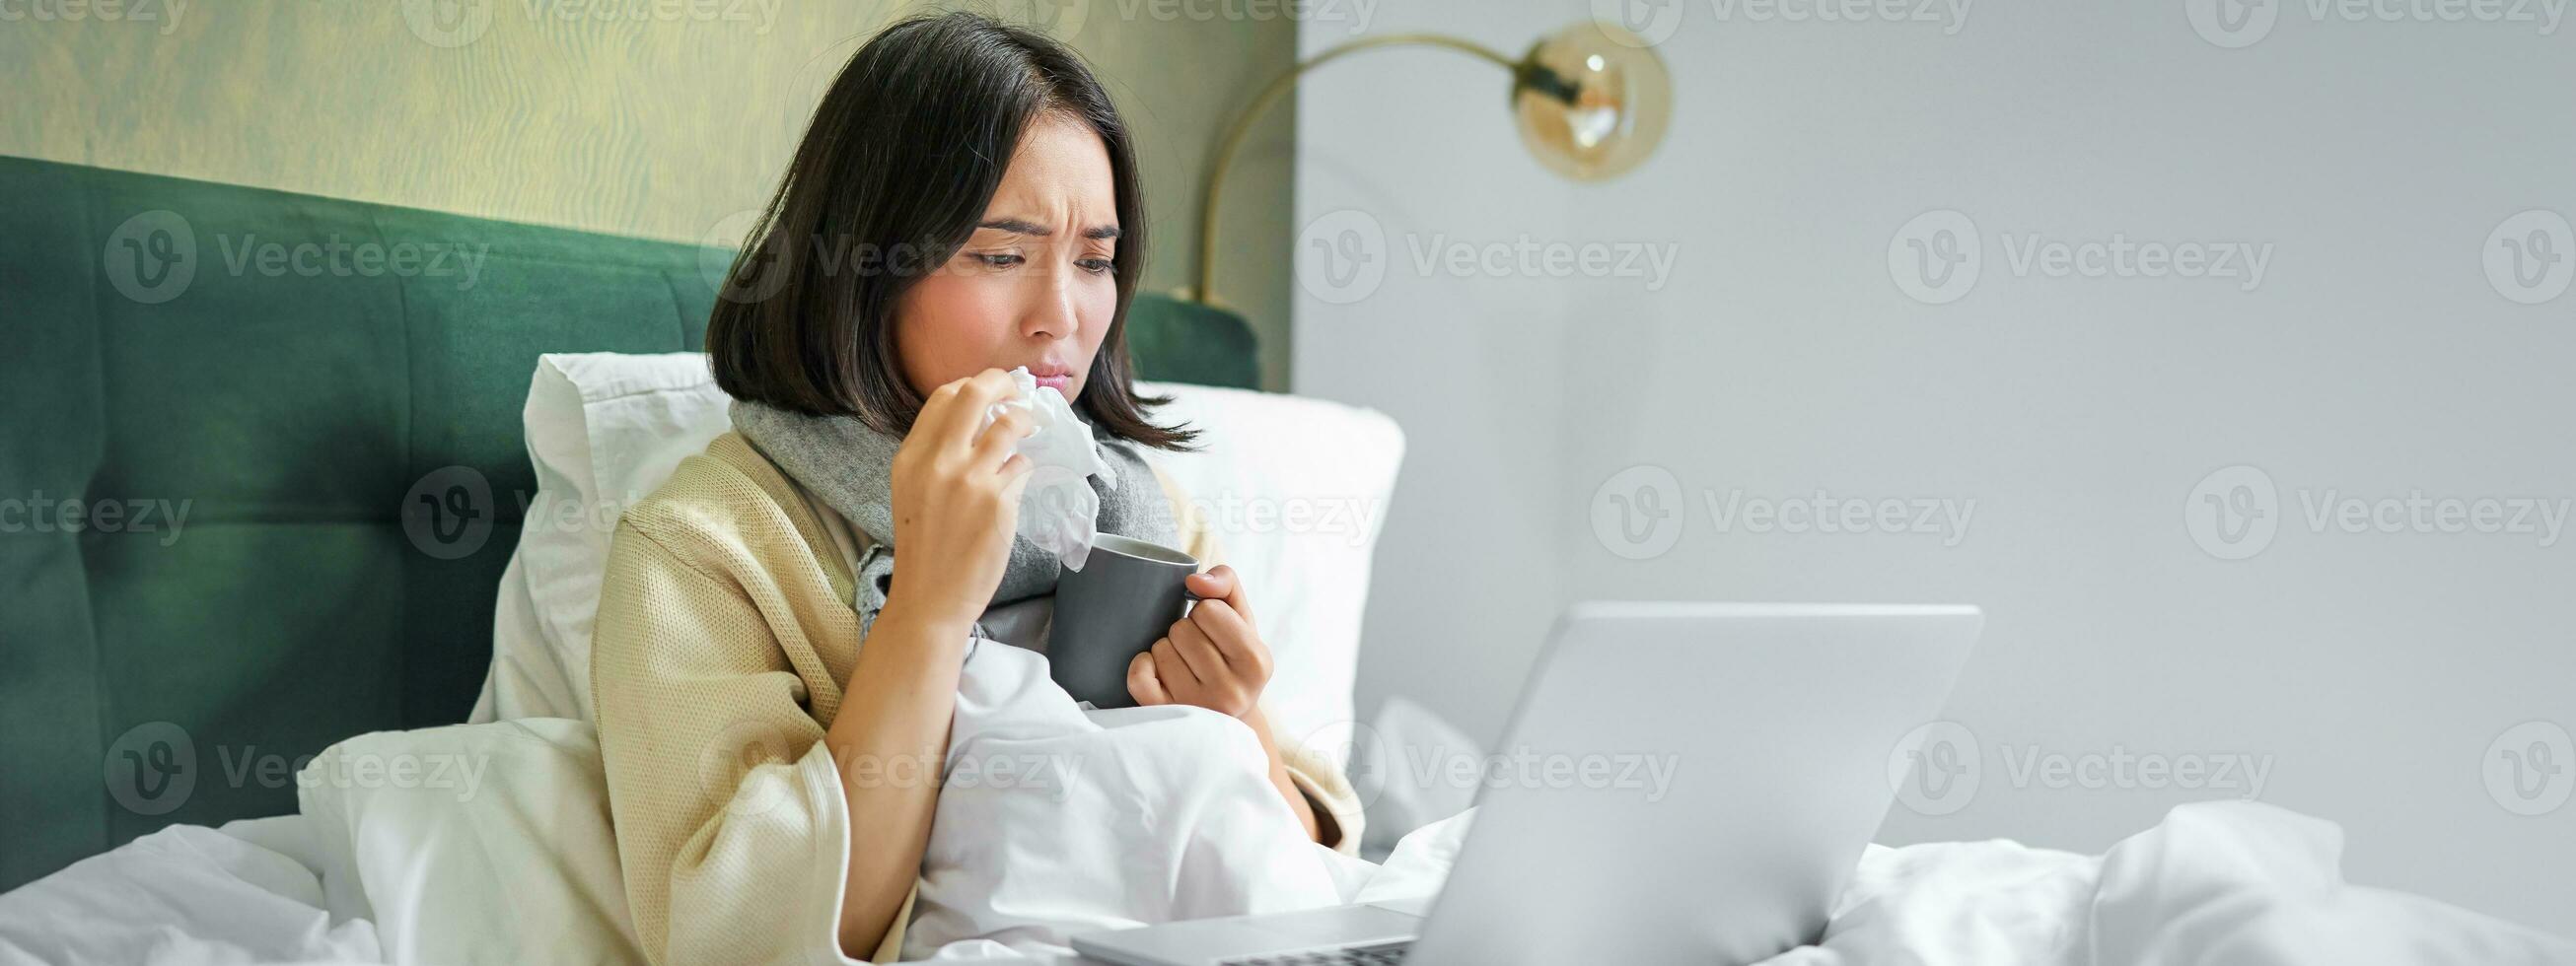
x=851, y=467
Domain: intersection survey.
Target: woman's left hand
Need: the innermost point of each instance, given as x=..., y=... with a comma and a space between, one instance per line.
x=1212, y=658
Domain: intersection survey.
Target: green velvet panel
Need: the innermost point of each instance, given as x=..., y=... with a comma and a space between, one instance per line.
x=296, y=411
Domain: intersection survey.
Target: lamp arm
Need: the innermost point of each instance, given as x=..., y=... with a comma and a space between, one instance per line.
x=1203, y=291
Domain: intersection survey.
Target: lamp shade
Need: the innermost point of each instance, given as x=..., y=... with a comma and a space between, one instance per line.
x=1591, y=106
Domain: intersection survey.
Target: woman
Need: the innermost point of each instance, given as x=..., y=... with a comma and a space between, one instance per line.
x=964, y=202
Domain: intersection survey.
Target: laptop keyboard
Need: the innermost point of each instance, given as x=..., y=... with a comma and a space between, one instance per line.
x=1381, y=955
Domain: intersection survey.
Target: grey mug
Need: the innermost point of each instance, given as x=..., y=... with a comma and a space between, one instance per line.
x=1126, y=596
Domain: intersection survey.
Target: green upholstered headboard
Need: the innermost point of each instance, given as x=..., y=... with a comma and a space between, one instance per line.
x=283, y=370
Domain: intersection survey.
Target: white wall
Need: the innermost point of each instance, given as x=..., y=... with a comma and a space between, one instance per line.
x=2374, y=672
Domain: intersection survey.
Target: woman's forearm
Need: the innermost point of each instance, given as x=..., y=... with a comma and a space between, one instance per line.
x=1316, y=827
x=889, y=741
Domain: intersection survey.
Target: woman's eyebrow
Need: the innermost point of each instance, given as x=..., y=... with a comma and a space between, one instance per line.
x=1019, y=226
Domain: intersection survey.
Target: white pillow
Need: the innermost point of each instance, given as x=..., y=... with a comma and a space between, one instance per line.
x=486, y=843
x=604, y=430
x=1297, y=491
x=1295, y=487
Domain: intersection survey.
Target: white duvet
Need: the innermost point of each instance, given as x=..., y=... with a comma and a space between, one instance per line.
x=1131, y=826
x=1077, y=820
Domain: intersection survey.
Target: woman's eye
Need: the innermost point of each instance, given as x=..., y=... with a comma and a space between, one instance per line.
x=1098, y=266
x=998, y=260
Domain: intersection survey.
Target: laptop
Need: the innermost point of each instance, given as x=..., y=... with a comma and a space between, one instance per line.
x=1775, y=729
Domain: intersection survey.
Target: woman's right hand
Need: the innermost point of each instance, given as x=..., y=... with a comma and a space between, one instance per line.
x=957, y=487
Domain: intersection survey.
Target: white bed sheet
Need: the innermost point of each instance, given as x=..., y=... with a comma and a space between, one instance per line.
x=2232, y=884
x=245, y=893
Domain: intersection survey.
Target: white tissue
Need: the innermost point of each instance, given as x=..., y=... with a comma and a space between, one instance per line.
x=1058, y=512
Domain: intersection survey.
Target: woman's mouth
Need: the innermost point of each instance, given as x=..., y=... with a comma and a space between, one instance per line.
x=1061, y=379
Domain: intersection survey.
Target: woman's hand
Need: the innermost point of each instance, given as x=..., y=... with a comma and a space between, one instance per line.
x=956, y=492
x=1213, y=658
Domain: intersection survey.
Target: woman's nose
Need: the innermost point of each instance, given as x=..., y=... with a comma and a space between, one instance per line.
x=1052, y=315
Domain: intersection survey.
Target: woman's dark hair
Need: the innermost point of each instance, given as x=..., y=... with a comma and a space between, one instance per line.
x=891, y=178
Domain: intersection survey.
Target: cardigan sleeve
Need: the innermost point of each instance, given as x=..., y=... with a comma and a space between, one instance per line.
x=731, y=828
x=1315, y=774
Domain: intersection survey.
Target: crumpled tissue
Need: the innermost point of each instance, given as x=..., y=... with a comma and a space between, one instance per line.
x=1059, y=513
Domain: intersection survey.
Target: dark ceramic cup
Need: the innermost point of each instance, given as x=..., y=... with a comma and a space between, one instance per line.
x=1124, y=598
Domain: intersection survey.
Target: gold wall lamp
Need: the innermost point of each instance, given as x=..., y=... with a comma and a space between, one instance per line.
x=1591, y=100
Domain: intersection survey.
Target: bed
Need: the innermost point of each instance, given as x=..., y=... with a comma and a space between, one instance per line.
x=290, y=409
x=300, y=578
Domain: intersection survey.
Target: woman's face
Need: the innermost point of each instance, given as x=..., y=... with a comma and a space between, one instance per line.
x=1033, y=287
